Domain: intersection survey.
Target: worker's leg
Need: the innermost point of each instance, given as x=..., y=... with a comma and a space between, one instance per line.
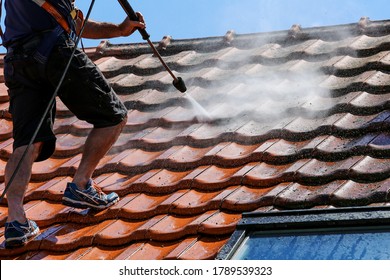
x=98, y=143
x=18, y=187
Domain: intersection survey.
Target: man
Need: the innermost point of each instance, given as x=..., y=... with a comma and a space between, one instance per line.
x=35, y=61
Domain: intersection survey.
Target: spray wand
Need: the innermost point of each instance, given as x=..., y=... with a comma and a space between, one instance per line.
x=177, y=81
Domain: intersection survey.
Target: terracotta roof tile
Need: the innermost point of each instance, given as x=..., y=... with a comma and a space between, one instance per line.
x=272, y=141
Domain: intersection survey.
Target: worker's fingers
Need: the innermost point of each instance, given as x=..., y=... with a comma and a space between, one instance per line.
x=140, y=17
x=138, y=24
x=129, y=26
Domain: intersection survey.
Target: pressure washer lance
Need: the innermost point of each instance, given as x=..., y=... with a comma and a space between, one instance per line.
x=177, y=81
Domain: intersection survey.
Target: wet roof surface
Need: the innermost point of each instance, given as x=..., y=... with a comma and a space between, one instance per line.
x=295, y=119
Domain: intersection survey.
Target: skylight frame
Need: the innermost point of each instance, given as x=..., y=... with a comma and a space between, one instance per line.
x=281, y=222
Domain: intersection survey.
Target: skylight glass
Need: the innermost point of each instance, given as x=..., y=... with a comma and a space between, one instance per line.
x=360, y=244
x=354, y=233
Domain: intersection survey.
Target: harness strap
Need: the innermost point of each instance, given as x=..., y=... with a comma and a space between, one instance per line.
x=75, y=14
x=48, y=42
x=55, y=14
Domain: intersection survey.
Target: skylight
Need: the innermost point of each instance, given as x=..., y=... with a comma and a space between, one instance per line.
x=332, y=234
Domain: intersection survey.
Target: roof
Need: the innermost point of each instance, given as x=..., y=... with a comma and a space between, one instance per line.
x=297, y=119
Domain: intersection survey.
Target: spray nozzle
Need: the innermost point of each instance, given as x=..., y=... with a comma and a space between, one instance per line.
x=179, y=84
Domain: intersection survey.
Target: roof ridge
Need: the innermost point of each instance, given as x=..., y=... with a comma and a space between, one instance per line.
x=295, y=34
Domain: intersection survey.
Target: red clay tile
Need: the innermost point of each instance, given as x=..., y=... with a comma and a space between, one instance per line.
x=161, y=136
x=138, y=119
x=378, y=79
x=129, y=250
x=215, y=178
x=77, y=254
x=101, y=253
x=181, y=248
x=29, y=206
x=365, y=41
x=120, y=232
x=166, y=181
x=47, y=169
x=338, y=83
x=69, y=145
x=274, y=51
x=361, y=194
x=284, y=151
x=369, y=101
x=3, y=93
x=67, y=237
x=148, y=61
x=321, y=47
x=205, y=248
x=254, y=132
x=350, y=123
x=3, y=214
x=350, y=62
x=194, y=202
x=137, y=158
x=46, y=214
x=236, y=154
x=208, y=134
x=335, y=148
x=173, y=228
x=266, y=175
x=111, y=64
x=6, y=148
x=317, y=172
x=220, y=224
x=187, y=157
x=143, y=206
x=5, y=129
x=116, y=182
x=47, y=255
x=89, y=216
x=300, y=196
x=371, y=169
x=304, y=128
x=246, y=199
x=52, y=190
x=382, y=141
x=153, y=251
x=181, y=115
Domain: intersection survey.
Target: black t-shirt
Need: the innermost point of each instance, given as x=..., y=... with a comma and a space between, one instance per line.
x=24, y=18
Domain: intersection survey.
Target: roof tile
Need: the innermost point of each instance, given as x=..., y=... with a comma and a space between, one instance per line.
x=353, y=193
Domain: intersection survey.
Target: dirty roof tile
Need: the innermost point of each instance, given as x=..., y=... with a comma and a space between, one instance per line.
x=353, y=193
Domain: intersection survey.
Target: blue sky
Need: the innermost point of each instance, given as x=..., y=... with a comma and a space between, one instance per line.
x=183, y=19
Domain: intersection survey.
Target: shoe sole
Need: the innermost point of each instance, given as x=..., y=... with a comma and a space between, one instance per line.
x=83, y=205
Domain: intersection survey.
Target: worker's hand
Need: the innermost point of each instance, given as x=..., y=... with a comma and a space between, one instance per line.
x=128, y=26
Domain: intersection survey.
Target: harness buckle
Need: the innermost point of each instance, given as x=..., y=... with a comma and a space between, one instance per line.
x=73, y=36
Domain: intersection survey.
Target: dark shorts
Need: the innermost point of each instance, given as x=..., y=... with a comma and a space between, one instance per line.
x=31, y=85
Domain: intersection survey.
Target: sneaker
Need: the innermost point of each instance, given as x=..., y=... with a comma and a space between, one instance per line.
x=92, y=197
x=17, y=234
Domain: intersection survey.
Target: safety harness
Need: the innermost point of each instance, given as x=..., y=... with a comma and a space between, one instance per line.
x=74, y=15
x=66, y=24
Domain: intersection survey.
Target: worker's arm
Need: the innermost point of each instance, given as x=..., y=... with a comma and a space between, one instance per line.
x=104, y=30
